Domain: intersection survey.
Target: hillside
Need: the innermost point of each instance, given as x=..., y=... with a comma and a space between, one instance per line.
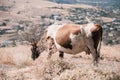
x=17, y=16
x=23, y=20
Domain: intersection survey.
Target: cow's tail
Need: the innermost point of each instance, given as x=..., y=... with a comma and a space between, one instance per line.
x=99, y=45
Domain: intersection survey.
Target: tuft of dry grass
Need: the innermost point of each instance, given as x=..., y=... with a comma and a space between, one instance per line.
x=90, y=73
x=54, y=68
x=19, y=56
x=111, y=53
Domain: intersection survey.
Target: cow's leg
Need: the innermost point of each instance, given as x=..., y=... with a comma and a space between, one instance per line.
x=94, y=55
x=49, y=54
x=50, y=45
x=61, y=54
x=93, y=51
x=87, y=50
x=51, y=49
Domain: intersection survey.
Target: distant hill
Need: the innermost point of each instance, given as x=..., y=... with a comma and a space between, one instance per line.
x=65, y=1
x=101, y=3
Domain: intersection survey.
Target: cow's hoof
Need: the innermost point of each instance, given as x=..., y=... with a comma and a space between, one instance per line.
x=61, y=54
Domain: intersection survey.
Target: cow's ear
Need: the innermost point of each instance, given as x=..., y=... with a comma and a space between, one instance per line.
x=48, y=38
x=33, y=42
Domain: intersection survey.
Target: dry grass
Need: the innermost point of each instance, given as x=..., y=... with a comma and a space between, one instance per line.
x=16, y=64
x=89, y=73
x=19, y=56
x=80, y=68
x=13, y=62
x=111, y=53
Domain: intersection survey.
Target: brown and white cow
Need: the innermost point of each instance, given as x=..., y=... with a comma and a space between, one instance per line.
x=71, y=39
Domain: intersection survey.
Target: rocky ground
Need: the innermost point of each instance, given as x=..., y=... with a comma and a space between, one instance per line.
x=22, y=20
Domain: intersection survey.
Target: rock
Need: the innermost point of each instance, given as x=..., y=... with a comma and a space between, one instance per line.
x=110, y=34
x=3, y=23
x=7, y=43
x=4, y=8
x=18, y=27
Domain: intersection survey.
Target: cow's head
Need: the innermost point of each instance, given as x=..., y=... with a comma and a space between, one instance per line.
x=38, y=46
x=34, y=49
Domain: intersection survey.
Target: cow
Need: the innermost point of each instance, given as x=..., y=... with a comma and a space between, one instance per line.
x=71, y=39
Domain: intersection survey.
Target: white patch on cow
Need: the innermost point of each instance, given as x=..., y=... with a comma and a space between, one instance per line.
x=52, y=30
x=90, y=25
x=78, y=42
x=74, y=37
x=87, y=29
